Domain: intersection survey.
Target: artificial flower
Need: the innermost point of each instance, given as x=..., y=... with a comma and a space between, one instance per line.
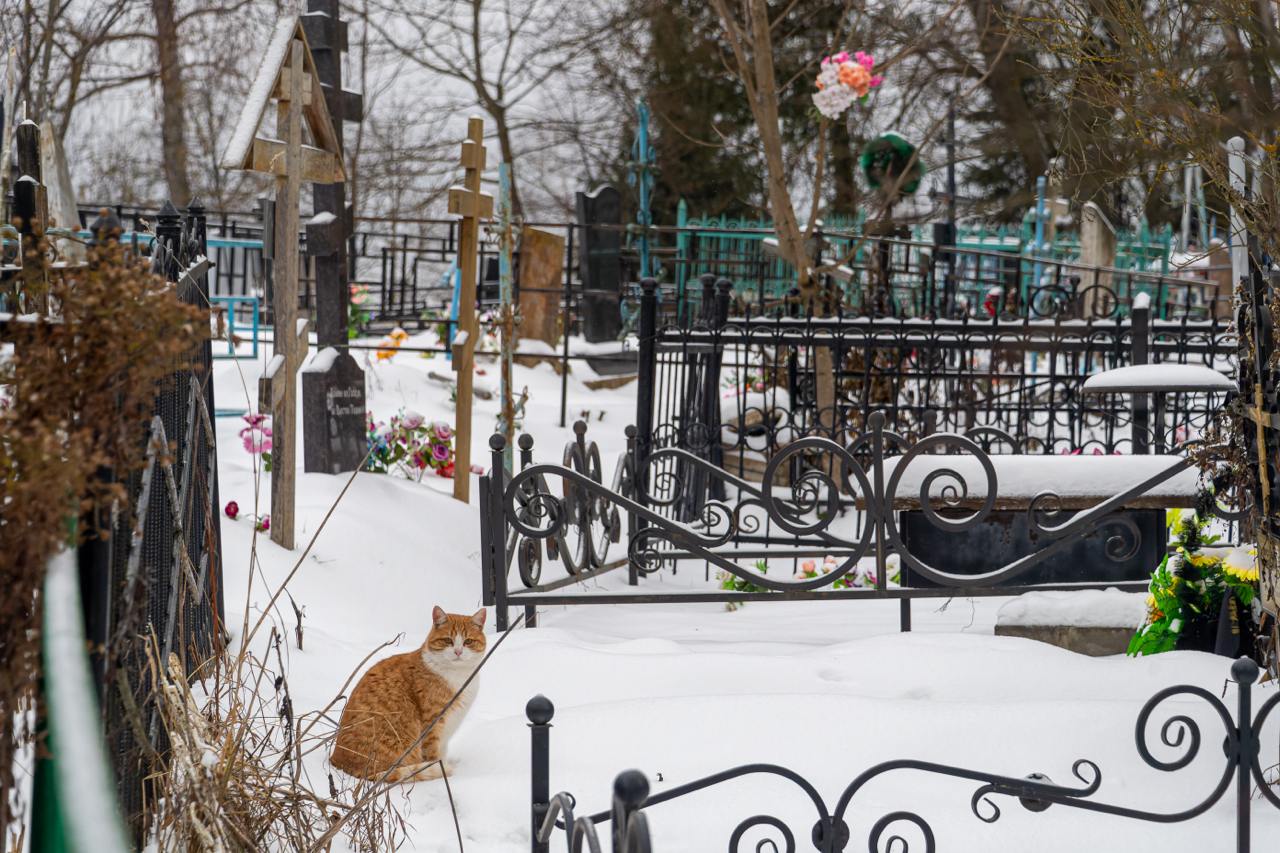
x=232, y=510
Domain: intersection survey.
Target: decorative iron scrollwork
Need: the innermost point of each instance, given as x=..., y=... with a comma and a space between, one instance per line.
x=1036, y=792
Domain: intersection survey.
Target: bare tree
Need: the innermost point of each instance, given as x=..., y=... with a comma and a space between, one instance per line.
x=498, y=55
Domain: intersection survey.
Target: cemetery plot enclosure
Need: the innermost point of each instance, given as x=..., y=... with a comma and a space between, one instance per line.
x=843, y=503
x=841, y=824
x=738, y=389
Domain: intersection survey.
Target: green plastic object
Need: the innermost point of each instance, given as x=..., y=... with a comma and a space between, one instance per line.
x=887, y=158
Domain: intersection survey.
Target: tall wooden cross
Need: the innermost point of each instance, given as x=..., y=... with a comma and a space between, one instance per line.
x=298, y=95
x=472, y=205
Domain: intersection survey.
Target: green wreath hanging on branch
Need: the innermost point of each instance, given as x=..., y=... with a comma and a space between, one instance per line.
x=889, y=157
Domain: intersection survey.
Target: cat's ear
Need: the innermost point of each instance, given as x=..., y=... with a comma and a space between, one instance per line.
x=438, y=617
x=477, y=618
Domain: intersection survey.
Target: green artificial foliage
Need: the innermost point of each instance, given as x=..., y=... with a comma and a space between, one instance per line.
x=1188, y=586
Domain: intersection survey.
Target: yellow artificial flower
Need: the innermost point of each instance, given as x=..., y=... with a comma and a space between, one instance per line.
x=1242, y=563
x=1202, y=561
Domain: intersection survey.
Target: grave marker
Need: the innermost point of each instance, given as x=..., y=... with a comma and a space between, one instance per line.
x=287, y=74
x=600, y=218
x=541, y=273
x=333, y=385
x=472, y=205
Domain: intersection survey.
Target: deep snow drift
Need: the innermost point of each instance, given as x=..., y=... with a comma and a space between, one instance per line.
x=825, y=688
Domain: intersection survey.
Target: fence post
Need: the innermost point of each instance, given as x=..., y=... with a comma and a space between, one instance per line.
x=1244, y=672
x=647, y=368
x=629, y=491
x=496, y=521
x=540, y=711
x=1140, y=353
x=630, y=790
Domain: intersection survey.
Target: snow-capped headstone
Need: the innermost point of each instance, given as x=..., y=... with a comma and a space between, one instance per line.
x=333, y=413
x=600, y=221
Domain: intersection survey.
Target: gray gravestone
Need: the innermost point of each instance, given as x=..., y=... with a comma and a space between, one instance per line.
x=600, y=263
x=333, y=401
x=333, y=413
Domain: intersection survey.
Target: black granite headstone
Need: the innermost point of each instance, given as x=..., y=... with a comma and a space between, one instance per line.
x=600, y=263
x=333, y=413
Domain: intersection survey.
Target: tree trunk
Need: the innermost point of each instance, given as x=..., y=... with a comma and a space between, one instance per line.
x=1011, y=70
x=508, y=156
x=844, y=162
x=173, y=124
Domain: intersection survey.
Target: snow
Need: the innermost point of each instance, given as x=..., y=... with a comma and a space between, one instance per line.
x=274, y=366
x=683, y=690
x=1164, y=378
x=251, y=113
x=324, y=217
x=1085, y=608
x=1025, y=476
x=323, y=361
x=1142, y=301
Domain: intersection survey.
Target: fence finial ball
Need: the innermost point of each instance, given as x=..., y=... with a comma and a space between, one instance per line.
x=497, y=441
x=526, y=442
x=1244, y=671
x=875, y=420
x=631, y=431
x=579, y=427
x=539, y=710
x=632, y=788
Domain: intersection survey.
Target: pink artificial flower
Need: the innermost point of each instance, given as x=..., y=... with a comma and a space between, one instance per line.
x=264, y=523
x=842, y=56
x=443, y=431
x=808, y=566
x=232, y=510
x=475, y=469
x=876, y=80
x=254, y=420
x=257, y=440
x=412, y=420
x=866, y=60
x=440, y=453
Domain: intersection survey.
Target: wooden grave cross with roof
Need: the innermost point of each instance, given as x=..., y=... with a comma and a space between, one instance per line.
x=287, y=76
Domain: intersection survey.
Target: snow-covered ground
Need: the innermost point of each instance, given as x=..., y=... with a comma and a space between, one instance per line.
x=825, y=688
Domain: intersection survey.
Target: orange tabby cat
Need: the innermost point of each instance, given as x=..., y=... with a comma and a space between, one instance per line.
x=397, y=699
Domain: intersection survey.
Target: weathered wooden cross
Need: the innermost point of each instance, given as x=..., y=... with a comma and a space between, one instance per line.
x=472, y=205
x=298, y=95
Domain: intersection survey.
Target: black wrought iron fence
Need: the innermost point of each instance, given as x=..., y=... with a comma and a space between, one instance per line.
x=836, y=825
x=736, y=389
x=157, y=577
x=871, y=507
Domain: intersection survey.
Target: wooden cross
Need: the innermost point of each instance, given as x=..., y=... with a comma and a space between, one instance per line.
x=299, y=98
x=472, y=205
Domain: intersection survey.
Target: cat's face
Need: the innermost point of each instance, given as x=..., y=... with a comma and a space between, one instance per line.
x=455, y=639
